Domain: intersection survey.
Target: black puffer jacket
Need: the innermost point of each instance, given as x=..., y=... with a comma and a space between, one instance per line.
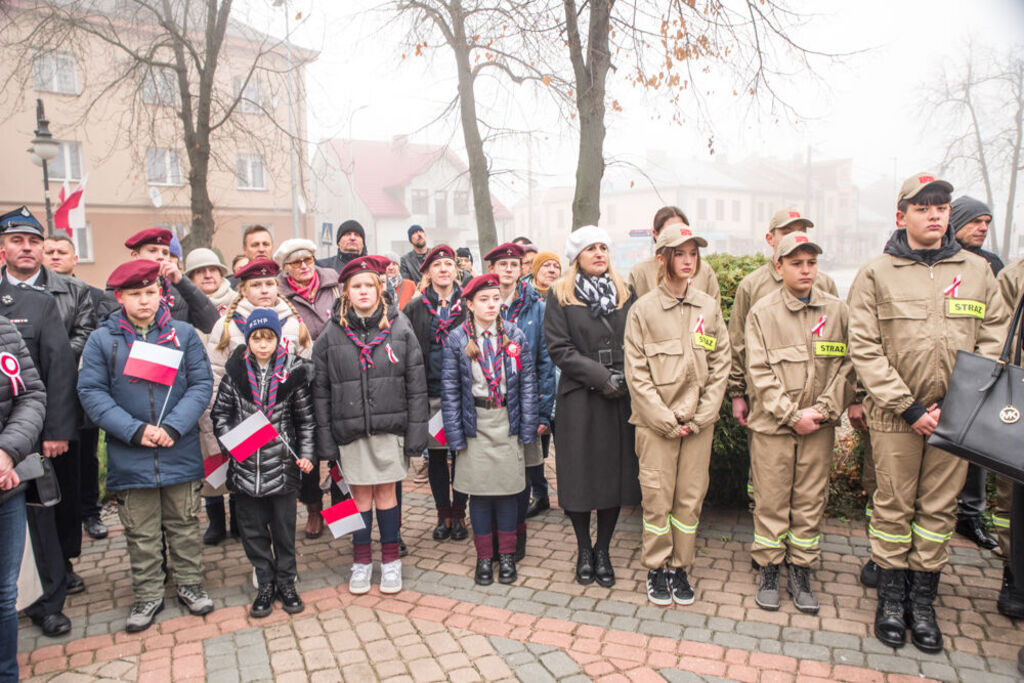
x=389, y=398
x=74, y=303
x=21, y=416
x=271, y=470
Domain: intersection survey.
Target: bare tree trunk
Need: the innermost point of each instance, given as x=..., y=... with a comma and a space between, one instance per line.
x=590, y=67
x=1015, y=75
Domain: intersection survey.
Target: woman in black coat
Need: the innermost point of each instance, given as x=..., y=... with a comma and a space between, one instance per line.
x=596, y=464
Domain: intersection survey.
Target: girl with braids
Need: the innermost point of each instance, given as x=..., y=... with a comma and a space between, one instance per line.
x=489, y=403
x=434, y=315
x=370, y=399
x=261, y=376
x=257, y=288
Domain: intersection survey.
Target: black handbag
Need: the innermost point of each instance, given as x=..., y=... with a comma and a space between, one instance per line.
x=981, y=413
x=38, y=481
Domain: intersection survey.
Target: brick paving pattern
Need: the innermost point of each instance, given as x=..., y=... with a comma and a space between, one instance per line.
x=545, y=627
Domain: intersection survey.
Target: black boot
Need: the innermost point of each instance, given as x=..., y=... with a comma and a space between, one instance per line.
x=869, y=574
x=890, y=627
x=507, y=568
x=459, y=532
x=603, y=568
x=233, y=523
x=585, y=566
x=215, y=533
x=1010, y=603
x=484, y=574
x=920, y=612
x=263, y=605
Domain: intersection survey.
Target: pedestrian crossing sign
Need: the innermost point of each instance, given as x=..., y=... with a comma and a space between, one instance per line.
x=327, y=234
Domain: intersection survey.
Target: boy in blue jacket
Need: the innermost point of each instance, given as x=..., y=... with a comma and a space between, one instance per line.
x=154, y=462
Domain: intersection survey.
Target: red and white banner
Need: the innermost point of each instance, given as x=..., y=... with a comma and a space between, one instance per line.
x=343, y=518
x=954, y=288
x=249, y=436
x=436, y=428
x=153, y=362
x=819, y=328
x=216, y=467
x=70, y=213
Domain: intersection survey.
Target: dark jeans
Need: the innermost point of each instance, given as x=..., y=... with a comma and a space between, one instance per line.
x=12, y=545
x=535, y=479
x=42, y=527
x=487, y=512
x=267, y=527
x=89, y=465
x=441, y=474
x=972, y=496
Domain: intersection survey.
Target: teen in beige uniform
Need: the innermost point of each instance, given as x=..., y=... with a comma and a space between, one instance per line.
x=798, y=373
x=644, y=276
x=676, y=362
x=911, y=310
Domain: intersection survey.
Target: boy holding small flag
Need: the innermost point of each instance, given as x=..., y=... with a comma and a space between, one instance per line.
x=145, y=380
x=263, y=417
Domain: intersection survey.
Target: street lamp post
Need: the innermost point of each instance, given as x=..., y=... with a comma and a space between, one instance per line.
x=46, y=149
x=292, y=156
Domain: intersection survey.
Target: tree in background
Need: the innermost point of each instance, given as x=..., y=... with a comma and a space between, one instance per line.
x=160, y=58
x=980, y=103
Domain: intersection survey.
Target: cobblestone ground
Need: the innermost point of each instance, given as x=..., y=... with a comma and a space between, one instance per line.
x=546, y=627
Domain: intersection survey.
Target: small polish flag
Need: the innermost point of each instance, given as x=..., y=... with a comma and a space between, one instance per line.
x=436, y=428
x=253, y=433
x=153, y=362
x=343, y=518
x=954, y=288
x=216, y=467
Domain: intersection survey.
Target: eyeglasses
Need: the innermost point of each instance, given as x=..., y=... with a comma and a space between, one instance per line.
x=308, y=261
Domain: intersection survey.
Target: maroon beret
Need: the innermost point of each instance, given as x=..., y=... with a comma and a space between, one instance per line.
x=261, y=267
x=363, y=264
x=149, y=236
x=438, y=252
x=504, y=251
x=487, y=281
x=134, y=274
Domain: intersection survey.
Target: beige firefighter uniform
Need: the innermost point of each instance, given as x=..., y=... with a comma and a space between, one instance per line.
x=797, y=357
x=676, y=364
x=1011, y=284
x=907, y=321
x=644, y=277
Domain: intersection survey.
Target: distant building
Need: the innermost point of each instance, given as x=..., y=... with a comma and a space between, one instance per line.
x=388, y=185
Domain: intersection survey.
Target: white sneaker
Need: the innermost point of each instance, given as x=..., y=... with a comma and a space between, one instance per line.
x=359, y=583
x=391, y=577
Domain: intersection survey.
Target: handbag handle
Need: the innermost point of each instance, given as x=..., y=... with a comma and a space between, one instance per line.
x=1014, y=342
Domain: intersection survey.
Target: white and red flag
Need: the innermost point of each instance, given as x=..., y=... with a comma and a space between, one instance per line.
x=343, y=518
x=153, y=362
x=216, y=468
x=436, y=428
x=249, y=436
x=70, y=213
x=819, y=327
x=699, y=327
x=954, y=288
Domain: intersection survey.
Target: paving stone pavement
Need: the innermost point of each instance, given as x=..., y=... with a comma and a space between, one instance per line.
x=545, y=627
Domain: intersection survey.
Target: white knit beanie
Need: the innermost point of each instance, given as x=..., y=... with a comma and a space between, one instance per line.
x=581, y=238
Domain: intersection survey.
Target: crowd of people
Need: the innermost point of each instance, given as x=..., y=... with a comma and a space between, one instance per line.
x=365, y=363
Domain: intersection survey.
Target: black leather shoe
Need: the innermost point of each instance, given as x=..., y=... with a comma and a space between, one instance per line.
x=890, y=624
x=869, y=574
x=459, y=531
x=603, y=571
x=484, y=574
x=507, y=568
x=442, y=531
x=290, y=600
x=74, y=583
x=920, y=612
x=520, y=546
x=973, y=530
x=53, y=625
x=263, y=605
x=95, y=528
x=585, y=567
x=1010, y=603
x=402, y=549
x=537, y=506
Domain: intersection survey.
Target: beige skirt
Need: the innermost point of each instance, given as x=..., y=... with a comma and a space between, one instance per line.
x=377, y=459
x=534, y=453
x=493, y=463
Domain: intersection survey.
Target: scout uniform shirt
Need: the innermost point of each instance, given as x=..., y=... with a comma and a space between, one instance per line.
x=644, y=277
x=677, y=360
x=797, y=357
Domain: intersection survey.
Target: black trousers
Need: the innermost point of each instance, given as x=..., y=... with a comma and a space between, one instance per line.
x=1017, y=534
x=67, y=513
x=267, y=527
x=89, y=465
x=46, y=548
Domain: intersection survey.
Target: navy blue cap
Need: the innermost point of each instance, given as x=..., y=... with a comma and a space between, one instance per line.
x=413, y=229
x=21, y=221
x=262, y=319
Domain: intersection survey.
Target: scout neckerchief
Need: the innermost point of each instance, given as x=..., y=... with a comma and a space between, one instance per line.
x=165, y=293
x=366, y=350
x=445, y=316
x=168, y=335
x=511, y=313
x=491, y=366
x=277, y=376
x=307, y=291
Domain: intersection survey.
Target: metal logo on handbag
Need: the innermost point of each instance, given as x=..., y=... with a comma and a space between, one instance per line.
x=1009, y=415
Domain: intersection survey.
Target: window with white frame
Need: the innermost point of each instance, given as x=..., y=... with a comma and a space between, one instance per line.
x=252, y=97
x=460, y=202
x=82, y=237
x=163, y=167
x=419, y=201
x=181, y=230
x=160, y=87
x=55, y=72
x=249, y=169
x=67, y=165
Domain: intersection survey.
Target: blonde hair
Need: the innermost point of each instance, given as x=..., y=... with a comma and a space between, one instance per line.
x=381, y=299
x=565, y=287
x=663, y=267
x=229, y=316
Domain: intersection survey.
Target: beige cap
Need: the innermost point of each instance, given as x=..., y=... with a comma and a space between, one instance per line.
x=673, y=236
x=792, y=242
x=291, y=248
x=917, y=182
x=201, y=258
x=784, y=217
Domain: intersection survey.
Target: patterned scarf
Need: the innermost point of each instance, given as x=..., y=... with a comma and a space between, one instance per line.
x=511, y=314
x=307, y=291
x=445, y=316
x=168, y=335
x=277, y=376
x=165, y=293
x=597, y=293
x=366, y=350
x=490, y=365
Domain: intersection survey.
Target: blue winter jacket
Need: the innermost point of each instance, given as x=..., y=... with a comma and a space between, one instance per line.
x=457, y=406
x=120, y=407
x=531, y=321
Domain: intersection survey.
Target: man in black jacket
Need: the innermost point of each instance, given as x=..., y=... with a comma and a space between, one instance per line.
x=351, y=244
x=413, y=259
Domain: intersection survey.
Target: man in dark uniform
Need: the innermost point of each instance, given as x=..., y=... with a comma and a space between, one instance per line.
x=34, y=312
x=186, y=301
